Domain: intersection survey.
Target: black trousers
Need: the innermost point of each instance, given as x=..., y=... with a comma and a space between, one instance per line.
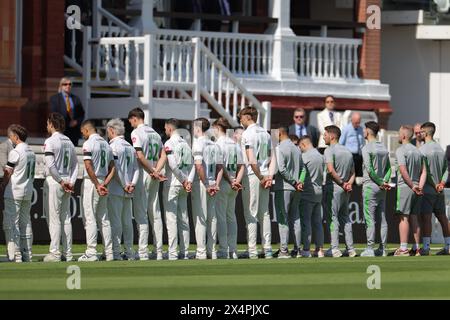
x=358, y=160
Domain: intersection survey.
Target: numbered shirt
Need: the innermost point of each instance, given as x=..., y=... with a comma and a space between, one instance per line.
x=209, y=154
x=22, y=161
x=342, y=160
x=63, y=151
x=98, y=151
x=409, y=156
x=179, y=160
x=436, y=164
x=127, y=169
x=231, y=155
x=148, y=141
x=257, y=139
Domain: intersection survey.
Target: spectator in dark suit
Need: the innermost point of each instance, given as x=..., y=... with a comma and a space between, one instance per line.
x=300, y=128
x=70, y=107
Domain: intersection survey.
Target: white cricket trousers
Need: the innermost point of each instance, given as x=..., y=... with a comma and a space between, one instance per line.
x=205, y=221
x=177, y=219
x=256, y=209
x=226, y=219
x=95, y=217
x=120, y=211
x=146, y=207
x=17, y=227
x=57, y=213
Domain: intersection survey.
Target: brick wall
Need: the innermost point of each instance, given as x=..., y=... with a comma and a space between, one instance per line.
x=370, y=52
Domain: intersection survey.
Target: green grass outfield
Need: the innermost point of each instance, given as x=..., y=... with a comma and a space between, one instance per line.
x=327, y=278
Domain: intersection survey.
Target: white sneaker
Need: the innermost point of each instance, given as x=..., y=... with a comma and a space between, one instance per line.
x=52, y=258
x=351, y=253
x=173, y=258
x=159, y=256
x=320, y=253
x=368, y=252
x=86, y=258
x=143, y=257
x=335, y=253
x=214, y=256
x=200, y=256
x=67, y=258
x=234, y=256
x=284, y=255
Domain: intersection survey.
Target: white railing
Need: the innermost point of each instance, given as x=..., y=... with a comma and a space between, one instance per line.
x=326, y=58
x=114, y=27
x=242, y=54
x=183, y=70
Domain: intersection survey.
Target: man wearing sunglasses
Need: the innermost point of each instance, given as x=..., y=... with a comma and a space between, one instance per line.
x=300, y=128
x=69, y=106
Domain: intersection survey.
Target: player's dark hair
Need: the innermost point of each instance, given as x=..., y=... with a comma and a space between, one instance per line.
x=88, y=123
x=250, y=111
x=238, y=128
x=18, y=130
x=373, y=126
x=334, y=130
x=222, y=123
x=429, y=127
x=173, y=122
x=136, y=112
x=57, y=121
x=294, y=138
x=304, y=138
x=283, y=130
x=204, y=123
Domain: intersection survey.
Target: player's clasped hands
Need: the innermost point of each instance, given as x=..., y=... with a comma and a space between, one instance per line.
x=187, y=186
x=67, y=186
x=299, y=187
x=347, y=187
x=158, y=176
x=385, y=186
x=417, y=190
x=102, y=190
x=236, y=186
x=440, y=187
x=212, y=190
x=129, y=189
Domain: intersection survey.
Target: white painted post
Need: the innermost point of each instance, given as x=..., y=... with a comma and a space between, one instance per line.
x=283, y=48
x=267, y=106
x=87, y=58
x=197, y=76
x=148, y=24
x=148, y=79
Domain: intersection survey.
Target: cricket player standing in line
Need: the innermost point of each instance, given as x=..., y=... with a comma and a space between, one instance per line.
x=311, y=198
x=121, y=190
x=288, y=186
x=149, y=150
x=411, y=179
x=434, y=200
x=261, y=164
x=61, y=174
x=338, y=186
x=17, y=185
x=176, y=188
x=376, y=177
x=231, y=183
x=99, y=171
x=206, y=176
